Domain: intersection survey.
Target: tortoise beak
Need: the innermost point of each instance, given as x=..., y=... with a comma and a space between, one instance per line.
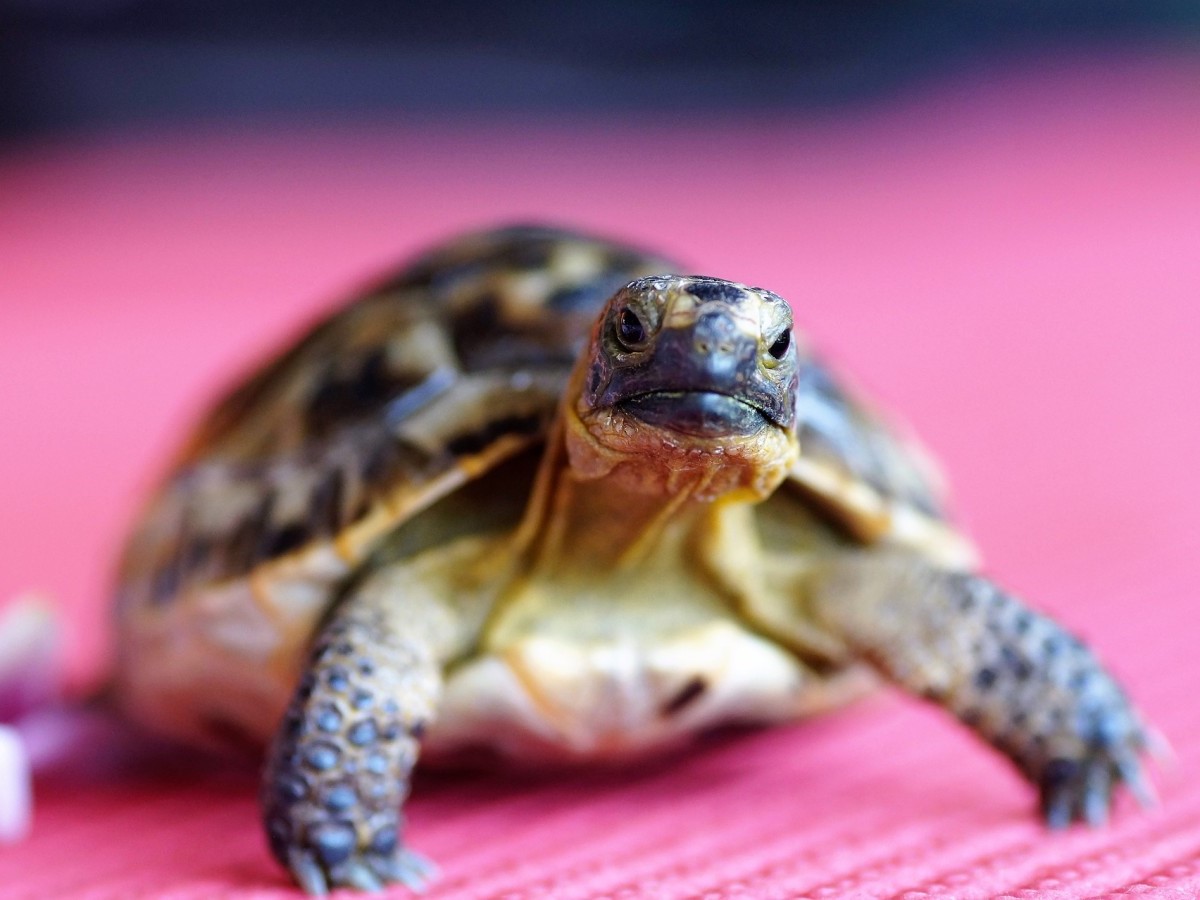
x=698, y=413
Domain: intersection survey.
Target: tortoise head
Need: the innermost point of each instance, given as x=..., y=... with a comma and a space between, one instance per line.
x=687, y=382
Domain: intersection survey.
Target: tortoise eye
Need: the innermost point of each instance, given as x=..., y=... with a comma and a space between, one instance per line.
x=630, y=331
x=780, y=347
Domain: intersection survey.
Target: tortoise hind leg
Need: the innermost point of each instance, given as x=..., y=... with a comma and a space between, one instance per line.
x=338, y=769
x=1013, y=675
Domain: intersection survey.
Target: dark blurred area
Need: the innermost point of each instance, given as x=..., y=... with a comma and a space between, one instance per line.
x=86, y=64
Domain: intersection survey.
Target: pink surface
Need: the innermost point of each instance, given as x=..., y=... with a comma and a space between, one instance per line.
x=1015, y=265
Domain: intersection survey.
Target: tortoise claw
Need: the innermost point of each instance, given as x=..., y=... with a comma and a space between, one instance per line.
x=1159, y=748
x=367, y=871
x=1097, y=790
x=358, y=874
x=410, y=869
x=1133, y=775
x=308, y=874
x=1056, y=810
x=1081, y=788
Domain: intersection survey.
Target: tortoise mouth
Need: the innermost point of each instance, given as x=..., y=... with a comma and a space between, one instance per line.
x=706, y=414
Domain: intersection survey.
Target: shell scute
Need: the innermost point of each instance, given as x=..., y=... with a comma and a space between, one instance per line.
x=877, y=481
x=427, y=380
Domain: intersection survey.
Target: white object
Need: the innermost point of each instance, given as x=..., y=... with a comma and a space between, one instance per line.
x=29, y=656
x=16, y=793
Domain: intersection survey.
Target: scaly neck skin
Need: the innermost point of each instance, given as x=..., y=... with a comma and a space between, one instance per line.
x=601, y=525
x=601, y=511
x=589, y=537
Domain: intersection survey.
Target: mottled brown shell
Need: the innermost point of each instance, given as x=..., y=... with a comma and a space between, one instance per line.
x=426, y=380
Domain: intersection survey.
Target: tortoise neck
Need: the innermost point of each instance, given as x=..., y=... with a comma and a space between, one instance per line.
x=607, y=523
x=602, y=524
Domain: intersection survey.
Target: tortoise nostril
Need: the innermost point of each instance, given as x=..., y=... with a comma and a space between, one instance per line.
x=708, y=348
x=715, y=334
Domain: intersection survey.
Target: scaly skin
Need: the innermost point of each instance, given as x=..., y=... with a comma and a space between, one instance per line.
x=339, y=767
x=1012, y=675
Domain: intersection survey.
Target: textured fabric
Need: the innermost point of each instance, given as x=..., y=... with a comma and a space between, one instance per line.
x=1015, y=265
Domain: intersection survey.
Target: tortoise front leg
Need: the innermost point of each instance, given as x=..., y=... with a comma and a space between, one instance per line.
x=338, y=770
x=1011, y=674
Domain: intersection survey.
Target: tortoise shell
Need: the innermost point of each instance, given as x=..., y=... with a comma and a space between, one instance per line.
x=376, y=429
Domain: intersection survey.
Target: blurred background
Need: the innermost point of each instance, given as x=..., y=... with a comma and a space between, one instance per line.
x=71, y=64
x=988, y=214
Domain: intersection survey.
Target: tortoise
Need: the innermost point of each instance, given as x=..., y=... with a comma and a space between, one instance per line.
x=532, y=494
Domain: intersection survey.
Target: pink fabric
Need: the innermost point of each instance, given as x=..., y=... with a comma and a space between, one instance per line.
x=1013, y=263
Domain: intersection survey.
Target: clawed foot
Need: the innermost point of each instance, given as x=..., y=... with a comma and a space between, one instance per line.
x=1080, y=789
x=333, y=862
